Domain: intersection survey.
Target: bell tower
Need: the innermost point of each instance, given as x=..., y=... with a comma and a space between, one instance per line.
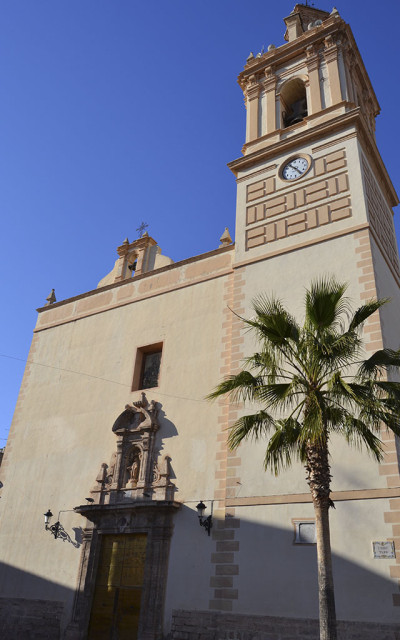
x=310, y=169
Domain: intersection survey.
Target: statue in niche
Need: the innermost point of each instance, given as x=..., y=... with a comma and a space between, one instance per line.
x=133, y=467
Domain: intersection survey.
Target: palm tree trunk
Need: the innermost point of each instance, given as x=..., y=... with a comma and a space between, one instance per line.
x=319, y=480
x=327, y=611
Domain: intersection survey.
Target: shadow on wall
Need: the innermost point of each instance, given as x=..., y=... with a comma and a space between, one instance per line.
x=35, y=607
x=277, y=593
x=269, y=585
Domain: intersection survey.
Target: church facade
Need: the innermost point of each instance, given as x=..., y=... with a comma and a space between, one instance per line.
x=112, y=433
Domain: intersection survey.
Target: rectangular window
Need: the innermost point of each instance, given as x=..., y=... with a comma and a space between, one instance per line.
x=304, y=532
x=147, y=367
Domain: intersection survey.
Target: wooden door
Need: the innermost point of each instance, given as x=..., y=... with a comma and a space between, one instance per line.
x=118, y=590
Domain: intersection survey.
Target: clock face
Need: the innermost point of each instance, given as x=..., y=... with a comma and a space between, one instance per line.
x=295, y=168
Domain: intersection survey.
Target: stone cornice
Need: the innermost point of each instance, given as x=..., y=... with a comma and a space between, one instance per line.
x=351, y=118
x=286, y=52
x=337, y=496
x=92, y=510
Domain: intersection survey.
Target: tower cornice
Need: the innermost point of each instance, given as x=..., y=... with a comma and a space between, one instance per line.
x=332, y=32
x=353, y=118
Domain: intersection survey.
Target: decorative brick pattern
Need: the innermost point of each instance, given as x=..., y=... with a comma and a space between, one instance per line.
x=205, y=625
x=30, y=619
x=316, y=198
x=322, y=166
x=381, y=219
x=225, y=524
x=300, y=197
x=374, y=340
x=260, y=189
x=299, y=222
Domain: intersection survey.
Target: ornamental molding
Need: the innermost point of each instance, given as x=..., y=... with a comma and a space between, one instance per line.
x=135, y=470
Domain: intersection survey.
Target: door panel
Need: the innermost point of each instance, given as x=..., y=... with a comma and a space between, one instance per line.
x=118, y=590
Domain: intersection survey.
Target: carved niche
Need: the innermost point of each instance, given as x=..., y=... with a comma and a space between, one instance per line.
x=134, y=470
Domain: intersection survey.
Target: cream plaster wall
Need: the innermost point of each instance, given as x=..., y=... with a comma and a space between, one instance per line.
x=387, y=286
x=267, y=556
x=62, y=432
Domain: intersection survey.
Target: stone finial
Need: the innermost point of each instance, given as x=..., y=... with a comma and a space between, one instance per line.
x=126, y=241
x=271, y=47
x=250, y=56
x=225, y=239
x=334, y=12
x=51, y=298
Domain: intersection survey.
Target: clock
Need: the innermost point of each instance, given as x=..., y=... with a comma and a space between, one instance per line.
x=295, y=167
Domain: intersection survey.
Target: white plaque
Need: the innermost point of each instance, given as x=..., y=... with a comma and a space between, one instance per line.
x=384, y=549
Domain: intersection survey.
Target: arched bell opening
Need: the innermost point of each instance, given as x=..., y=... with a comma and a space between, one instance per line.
x=132, y=264
x=293, y=102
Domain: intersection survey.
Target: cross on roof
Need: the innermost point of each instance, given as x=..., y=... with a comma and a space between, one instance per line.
x=141, y=228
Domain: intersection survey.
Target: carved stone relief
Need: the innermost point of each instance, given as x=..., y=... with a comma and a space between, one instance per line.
x=134, y=472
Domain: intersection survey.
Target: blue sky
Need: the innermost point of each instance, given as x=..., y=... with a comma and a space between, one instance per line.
x=118, y=111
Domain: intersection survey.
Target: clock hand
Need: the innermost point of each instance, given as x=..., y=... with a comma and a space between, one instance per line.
x=293, y=167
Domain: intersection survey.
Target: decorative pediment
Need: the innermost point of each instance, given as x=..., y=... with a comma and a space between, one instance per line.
x=139, y=416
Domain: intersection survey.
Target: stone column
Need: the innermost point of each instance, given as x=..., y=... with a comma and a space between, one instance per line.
x=312, y=62
x=117, y=479
x=331, y=58
x=252, y=95
x=269, y=85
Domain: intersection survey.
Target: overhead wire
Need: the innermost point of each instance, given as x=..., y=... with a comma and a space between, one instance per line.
x=89, y=375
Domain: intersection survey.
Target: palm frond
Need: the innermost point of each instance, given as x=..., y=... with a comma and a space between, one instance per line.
x=253, y=426
x=364, y=312
x=314, y=423
x=273, y=322
x=325, y=302
x=284, y=444
x=243, y=386
x=359, y=434
x=381, y=360
x=282, y=395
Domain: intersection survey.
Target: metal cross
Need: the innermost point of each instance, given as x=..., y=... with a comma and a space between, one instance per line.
x=141, y=228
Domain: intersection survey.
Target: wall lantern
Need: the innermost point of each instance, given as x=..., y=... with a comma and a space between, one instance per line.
x=54, y=528
x=204, y=522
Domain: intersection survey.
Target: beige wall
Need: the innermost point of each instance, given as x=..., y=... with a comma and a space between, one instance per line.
x=62, y=427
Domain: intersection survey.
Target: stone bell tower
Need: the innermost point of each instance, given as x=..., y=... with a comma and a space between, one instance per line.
x=310, y=169
x=314, y=199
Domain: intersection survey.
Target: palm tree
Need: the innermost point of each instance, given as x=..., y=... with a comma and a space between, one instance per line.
x=310, y=382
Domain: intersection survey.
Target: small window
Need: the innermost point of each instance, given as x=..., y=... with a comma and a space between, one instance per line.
x=147, y=367
x=304, y=532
